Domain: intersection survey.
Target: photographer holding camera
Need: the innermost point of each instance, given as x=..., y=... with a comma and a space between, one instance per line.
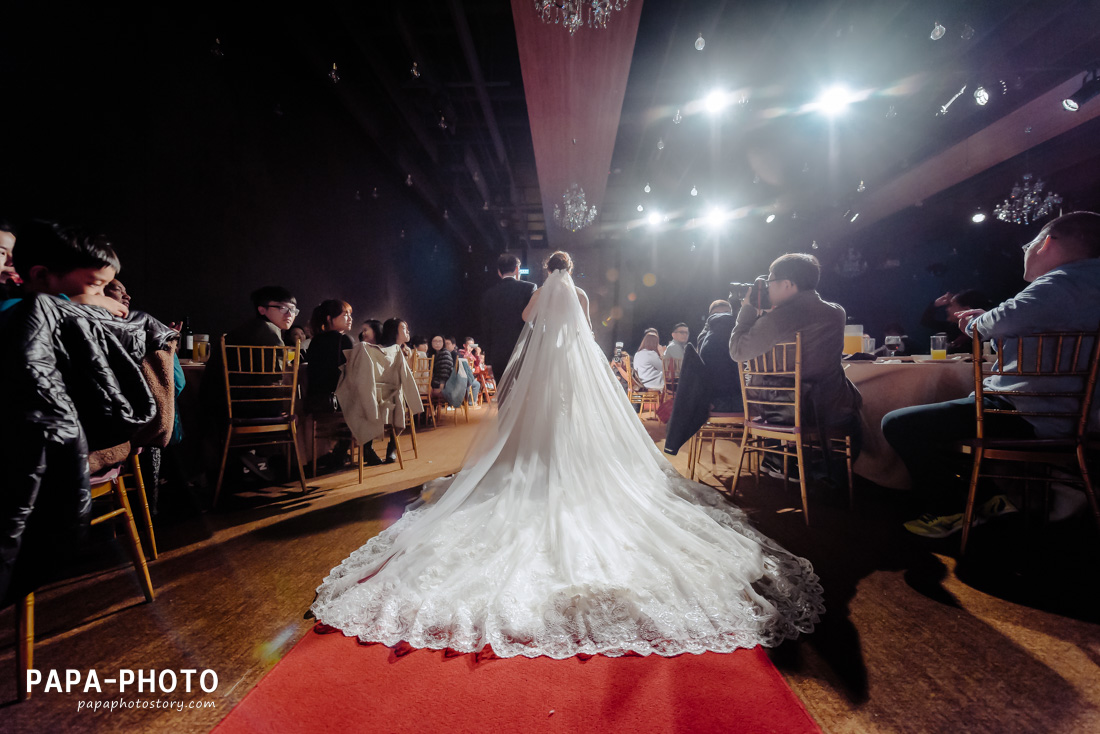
x=773, y=311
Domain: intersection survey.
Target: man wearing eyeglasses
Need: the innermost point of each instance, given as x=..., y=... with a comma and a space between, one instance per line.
x=830, y=399
x=275, y=312
x=675, y=348
x=1062, y=267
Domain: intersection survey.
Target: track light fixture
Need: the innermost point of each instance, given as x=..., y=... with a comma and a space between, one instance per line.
x=1090, y=88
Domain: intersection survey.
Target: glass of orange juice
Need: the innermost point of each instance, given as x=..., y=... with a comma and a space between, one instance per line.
x=939, y=346
x=853, y=338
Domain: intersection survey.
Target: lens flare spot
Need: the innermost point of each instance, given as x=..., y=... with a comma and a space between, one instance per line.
x=649, y=280
x=632, y=297
x=612, y=275
x=616, y=312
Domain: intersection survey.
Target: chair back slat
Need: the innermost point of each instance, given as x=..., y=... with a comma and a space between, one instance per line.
x=422, y=368
x=784, y=360
x=1056, y=355
x=260, y=376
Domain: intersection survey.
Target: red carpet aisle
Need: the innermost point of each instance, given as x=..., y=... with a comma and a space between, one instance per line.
x=332, y=683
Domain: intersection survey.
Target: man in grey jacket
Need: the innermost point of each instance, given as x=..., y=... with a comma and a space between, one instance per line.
x=829, y=398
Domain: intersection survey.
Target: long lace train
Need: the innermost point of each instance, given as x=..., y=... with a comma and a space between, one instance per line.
x=568, y=532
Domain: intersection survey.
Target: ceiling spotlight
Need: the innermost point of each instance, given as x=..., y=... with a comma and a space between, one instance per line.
x=715, y=217
x=694, y=191
x=641, y=208
x=700, y=43
x=654, y=219
x=770, y=219
x=978, y=218
x=1090, y=88
x=938, y=31
x=647, y=189
x=854, y=217
x=715, y=101
x=834, y=100
x=981, y=96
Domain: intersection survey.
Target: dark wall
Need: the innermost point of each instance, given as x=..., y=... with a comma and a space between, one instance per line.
x=215, y=175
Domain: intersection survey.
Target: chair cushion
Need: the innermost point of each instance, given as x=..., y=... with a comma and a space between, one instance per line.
x=106, y=475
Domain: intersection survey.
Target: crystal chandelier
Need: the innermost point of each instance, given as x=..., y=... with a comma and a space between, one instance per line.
x=574, y=213
x=570, y=13
x=1026, y=203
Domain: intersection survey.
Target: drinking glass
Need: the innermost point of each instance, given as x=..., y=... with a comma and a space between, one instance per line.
x=893, y=345
x=939, y=346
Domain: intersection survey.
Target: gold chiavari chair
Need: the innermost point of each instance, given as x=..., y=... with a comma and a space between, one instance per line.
x=422, y=368
x=637, y=392
x=771, y=382
x=105, y=486
x=1060, y=358
x=331, y=426
x=727, y=426
x=261, y=385
x=672, y=378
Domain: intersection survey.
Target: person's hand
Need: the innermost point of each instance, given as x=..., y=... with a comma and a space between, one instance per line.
x=115, y=307
x=965, y=317
x=944, y=299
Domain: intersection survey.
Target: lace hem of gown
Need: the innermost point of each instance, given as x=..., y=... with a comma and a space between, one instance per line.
x=679, y=615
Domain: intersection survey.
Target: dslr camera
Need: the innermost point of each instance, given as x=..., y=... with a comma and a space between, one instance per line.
x=757, y=292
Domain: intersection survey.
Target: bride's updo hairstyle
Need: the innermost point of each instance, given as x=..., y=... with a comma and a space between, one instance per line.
x=560, y=260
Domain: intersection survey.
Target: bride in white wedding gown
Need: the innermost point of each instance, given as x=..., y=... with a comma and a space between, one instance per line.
x=567, y=531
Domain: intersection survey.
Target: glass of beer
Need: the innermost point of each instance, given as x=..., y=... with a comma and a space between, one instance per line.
x=939, y=346
x=853, y=338
x=201, y=351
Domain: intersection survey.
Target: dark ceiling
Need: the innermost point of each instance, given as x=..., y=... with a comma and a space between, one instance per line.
x=220, y=152
x=767, y=152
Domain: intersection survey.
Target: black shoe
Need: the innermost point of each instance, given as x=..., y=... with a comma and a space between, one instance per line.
x=391, y=452
x=370, y=458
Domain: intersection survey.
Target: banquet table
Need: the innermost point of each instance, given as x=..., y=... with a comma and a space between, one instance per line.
x=889, y=385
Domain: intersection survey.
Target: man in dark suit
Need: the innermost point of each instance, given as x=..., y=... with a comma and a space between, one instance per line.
x=502, y=313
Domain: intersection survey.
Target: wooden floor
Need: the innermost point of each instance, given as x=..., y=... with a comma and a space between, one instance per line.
x=910, y=642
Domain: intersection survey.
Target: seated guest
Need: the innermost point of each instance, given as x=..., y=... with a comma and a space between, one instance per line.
x=69, y=263
x=830, y=399
x=69, y=391
x=709, y=384
x=647, y=362
x=477, y=363
x=275, y=308
x=9, y=279
x=116, y=290
x=371, y=331
x=675, y=348
x=444, y=362
x=297, y=334
x=396, y=331
x=717, y=308
x=952, y=304
x=419, y=344
x=331, y=322
x=719, y=370
x=1062, y=268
